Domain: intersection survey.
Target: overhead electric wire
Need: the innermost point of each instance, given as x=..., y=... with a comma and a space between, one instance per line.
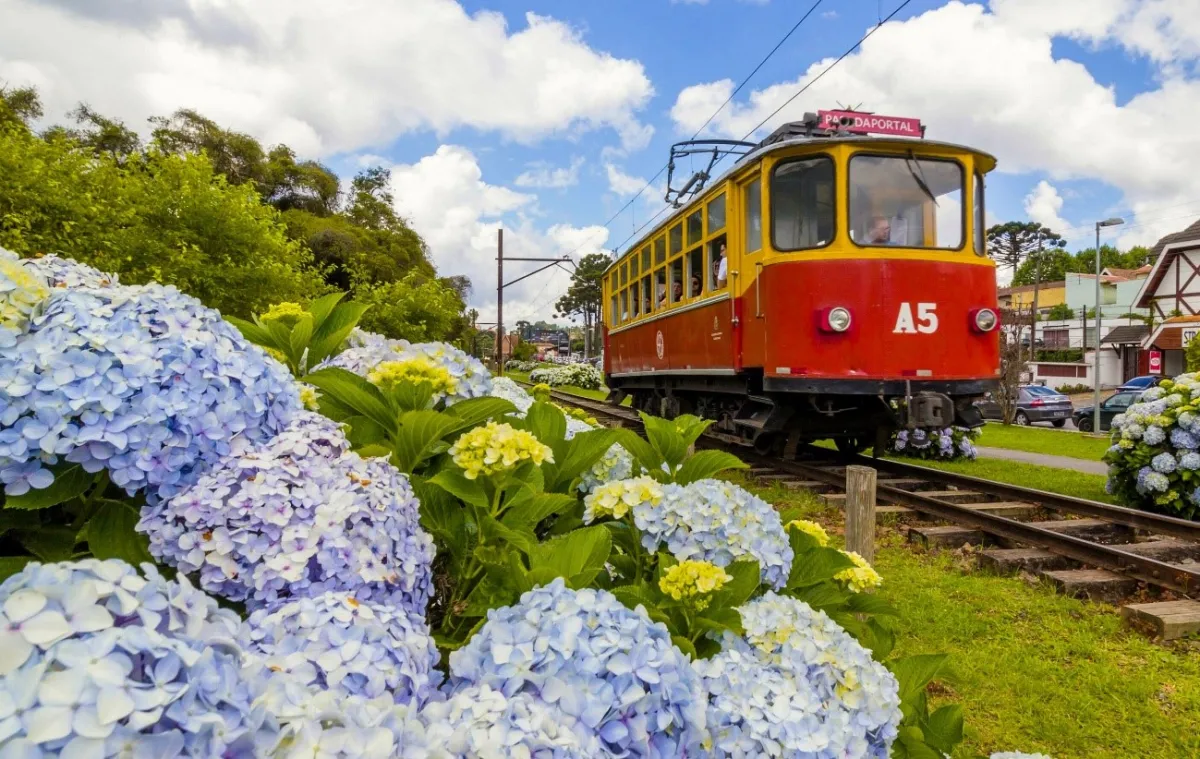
x=744, y=82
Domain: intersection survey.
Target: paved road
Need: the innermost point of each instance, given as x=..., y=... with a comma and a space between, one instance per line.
x=1060, y=462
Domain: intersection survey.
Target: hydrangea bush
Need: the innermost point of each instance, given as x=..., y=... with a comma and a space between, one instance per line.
x=1154, y=461
x=946, y=444
x=434, y=565
x=583, y=376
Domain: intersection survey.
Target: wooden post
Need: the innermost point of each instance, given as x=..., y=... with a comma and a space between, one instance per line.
x=860, y=511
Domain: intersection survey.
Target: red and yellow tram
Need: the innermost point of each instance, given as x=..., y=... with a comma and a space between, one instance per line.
x=831, y=284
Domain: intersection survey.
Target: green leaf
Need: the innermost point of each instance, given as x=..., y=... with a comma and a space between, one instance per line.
x=867, y=603
x=443, y=517
x=690, y=427
x=685, y=645
x=577, y=556
x=475, y=411
x=411, y=396
x=881, y=640
x=365, y=431
x=456, y=484
x=10, y=565
x=351, y=390
x=705, y=464
x=12, y=519
x=251, y=331
x=944, y=729
x=913, y=742
x=322, y=307
x=49, y=542
x=419, y=436
x=817, y=566
x=579, y=454
x=718, y=621
x=298, y=339
x=801, y=542
x=493, y=531
x=633, y=596
x=489, y=594
x=665, y=439
x=530, y=511
x=334, y=330
x=70, y=481
x=547, y=423
x=915, y=672
x=746, y=579
x=111, y=534
x=825, y=596
x=642, y=452
x=280, y=336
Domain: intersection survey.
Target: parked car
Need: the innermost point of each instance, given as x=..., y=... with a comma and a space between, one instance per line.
x=1143, y=382
x=1035, y=403
x=1115, y=404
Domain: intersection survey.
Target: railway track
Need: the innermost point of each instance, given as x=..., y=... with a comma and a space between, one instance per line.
x=1085, y=548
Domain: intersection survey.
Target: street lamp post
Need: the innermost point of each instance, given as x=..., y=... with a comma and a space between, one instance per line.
x=1096, y=379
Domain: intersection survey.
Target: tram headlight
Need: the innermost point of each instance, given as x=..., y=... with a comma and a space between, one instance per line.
x=836, y=319
x=984, y=320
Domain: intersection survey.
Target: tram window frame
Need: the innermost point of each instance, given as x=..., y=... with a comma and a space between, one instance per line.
x=633, y=268
x=676, y=240
x=720, y=199
x=635, y=310
x=695, y=227
x=615, y=311
x=775, y=193
x=660, y=250
x=753, y=201
x=647, y=293
x=660, y=278
x=674, y=274
x=978, y=198
x=711, y=262
x=962, y=189
x=625, y=306
x=624, y=270
x=646, y=258
x=690, y=271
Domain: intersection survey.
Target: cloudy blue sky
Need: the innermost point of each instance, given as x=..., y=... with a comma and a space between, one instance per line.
x=545, y=117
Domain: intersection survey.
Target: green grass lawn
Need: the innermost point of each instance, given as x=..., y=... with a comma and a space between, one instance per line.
x=1033, y=671
x=1052, y=442
x=597, y=395
x=1051, y=479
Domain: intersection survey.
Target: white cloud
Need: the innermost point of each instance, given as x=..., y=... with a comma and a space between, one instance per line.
x=990, y=79
x=623, y=184
x=323, y=77
x=542, y=174
x=447, y=201
x=1043, y=204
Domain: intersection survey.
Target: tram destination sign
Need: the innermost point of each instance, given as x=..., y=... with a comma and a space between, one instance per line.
x=870, y=123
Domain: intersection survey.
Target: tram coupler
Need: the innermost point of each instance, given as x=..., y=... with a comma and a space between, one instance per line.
x=927, y=409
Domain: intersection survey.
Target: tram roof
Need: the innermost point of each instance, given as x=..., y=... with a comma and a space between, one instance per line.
x=777, y=141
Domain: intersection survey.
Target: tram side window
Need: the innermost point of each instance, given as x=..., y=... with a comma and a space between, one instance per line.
x=676, y=235
x=695, y=228
x=716, y=214
x=624, y=274
x=898, y=200
x=980, y=242
x=635, y=302
x=718, y=266
x=613, y=317
x=624, y=305
x=802, y=211
x=646, y=259
x=660, y=251
x=677, y=280
x=753, y=198
x=647, y=297
x=695, y=271
x=660, y=287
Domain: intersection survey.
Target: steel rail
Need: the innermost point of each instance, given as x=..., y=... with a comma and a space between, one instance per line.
x=1152, y=571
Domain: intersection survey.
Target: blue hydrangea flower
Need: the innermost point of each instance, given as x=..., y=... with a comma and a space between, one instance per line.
x=97, y=660
x=143, y=382
x=503, y=387
x=919, y=439
x=367, y=350
x=1152, y=394
x=715, y=521
x=1157, y=482
x=797, y=685
x=901, y=440
x=66, y=273
x=478, y=721
x=595, y=661
x=290, y=519
x=335, y=642
x=1181, y=438
x=1190, y=461
x=1163, y=462
x=1153, y=435
x=616, y=464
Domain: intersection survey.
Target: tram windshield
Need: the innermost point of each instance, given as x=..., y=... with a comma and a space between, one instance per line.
x=906, y=201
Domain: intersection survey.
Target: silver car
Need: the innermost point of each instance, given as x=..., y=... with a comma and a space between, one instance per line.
x=1035, y=403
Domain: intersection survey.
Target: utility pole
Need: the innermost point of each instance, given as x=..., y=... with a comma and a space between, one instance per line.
x=500, y=302
x=1037, y=279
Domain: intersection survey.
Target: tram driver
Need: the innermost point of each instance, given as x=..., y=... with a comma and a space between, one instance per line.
x=881, y=231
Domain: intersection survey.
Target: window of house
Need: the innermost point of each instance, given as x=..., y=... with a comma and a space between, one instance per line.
x=912, y=203
x=802, y=209
x=753, y=202
x=716, y=214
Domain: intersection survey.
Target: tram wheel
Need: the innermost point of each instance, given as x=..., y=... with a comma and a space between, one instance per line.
x=850, y=446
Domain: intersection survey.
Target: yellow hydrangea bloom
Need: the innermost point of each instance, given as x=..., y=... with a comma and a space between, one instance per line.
x=308, y=397
x=20, y=292
x=690, y=579
x=810, y=528
x=496, y=448
x=420, y=369
x=276, y=354
x=861, y=577
x=287, y=313
x=541, y=391
x=615, y=499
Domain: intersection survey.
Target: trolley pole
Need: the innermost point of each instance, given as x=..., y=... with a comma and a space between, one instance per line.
x=500, y=302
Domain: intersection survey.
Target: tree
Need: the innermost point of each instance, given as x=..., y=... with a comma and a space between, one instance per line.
x=1060, y=312
x=1193, y=354
x=1012, y=362
x=1011, y=243
x=414, y=308
x=19, y=106
x=238, y=156
x=583, y=297
x=100, y=134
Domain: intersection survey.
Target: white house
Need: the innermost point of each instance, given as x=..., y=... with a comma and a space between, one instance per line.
x=1172, y=293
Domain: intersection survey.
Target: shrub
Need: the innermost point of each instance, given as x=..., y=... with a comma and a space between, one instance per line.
x=583, y=376
x=945, y=445
x=1074, y=389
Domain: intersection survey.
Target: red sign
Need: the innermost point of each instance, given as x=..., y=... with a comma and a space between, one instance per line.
x=1155, y=366
x=869, y=123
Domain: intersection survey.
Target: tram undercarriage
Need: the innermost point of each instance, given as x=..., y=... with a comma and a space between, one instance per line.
x=778, y=420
